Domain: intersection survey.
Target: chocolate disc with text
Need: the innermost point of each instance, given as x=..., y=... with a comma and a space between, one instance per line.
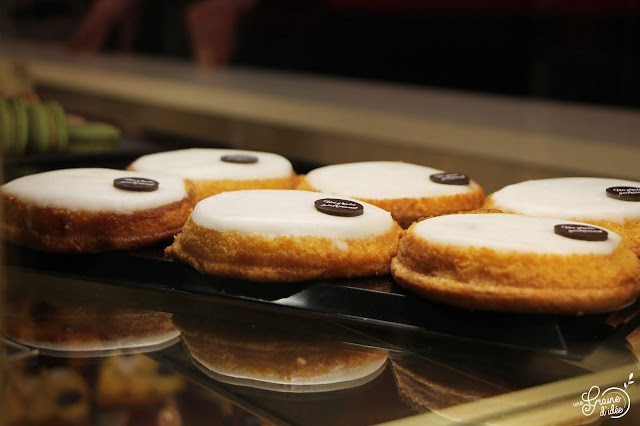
x=239, y=159
x=137, y=184
x=339, y=207
x=624, y=193
x=581, y=232
x=450, y=178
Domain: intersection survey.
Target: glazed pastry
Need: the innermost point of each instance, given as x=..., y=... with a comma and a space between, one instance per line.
x=93, y=210
x=513, y=263
x=213, y=171
x=408, y=191
x=611, y=203
x=279, y=235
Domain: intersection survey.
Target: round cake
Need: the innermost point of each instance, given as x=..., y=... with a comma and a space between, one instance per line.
x=611, y=203
x=408, y=191
x=93, y=210
x=213, y=171
x=290, y=354
x=280, y=235
x=513, y=263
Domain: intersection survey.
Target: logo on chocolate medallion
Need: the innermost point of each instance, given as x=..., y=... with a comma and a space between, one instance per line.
x=581, y=232
x=624, y=193
x=239, y=159
x=136, y=184
x=339, y=207
x=450, y=178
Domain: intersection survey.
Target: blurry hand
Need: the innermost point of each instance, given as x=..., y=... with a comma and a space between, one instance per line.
x=212, y=28
x=103, y=16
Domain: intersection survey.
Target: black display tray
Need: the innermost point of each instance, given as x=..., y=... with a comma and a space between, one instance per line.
x=387, y=313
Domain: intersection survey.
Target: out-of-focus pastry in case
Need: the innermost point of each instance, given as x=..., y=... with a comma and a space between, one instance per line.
x=408, y=191
x=514, y=263
x=93, y=137
x=213, y=171
x=93, y=210
x=280, y=236
x=135, y=380
x=610, y=203
x=45, y=396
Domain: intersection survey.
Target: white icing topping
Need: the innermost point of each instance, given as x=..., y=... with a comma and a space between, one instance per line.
x=274, y=213
x=92, y=190
x=579, y=198
x=381, y=180
x=206, y=164
x=509, y=232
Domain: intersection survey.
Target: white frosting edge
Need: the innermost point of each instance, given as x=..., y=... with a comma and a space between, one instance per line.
x=510, y=233
x=278, y=213
x=204, y=164
x=382, y=180
x=92, y=190
x=577, y=198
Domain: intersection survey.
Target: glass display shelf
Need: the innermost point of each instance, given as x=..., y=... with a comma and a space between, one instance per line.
x=91, y=327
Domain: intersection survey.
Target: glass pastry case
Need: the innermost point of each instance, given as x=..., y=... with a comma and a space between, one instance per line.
x=130, y=337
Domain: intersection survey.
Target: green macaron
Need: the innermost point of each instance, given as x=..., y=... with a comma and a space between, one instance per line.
x=14, y=128
x=93, y=136
x=48, y=130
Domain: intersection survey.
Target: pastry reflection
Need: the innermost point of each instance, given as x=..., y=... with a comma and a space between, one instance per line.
x=280, y=354
x=426, y=385
x=77, y=326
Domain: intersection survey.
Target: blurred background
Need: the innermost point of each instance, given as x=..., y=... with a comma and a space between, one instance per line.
x=575, y=50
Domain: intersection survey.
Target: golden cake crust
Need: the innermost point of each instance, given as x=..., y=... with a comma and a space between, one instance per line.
x=206, y=188
x=485, y=279
x=79, y=231
x=629, y=229
x=282, y=259
x=405, y=211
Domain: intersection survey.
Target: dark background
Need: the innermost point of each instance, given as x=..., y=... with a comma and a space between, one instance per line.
x=581, y=51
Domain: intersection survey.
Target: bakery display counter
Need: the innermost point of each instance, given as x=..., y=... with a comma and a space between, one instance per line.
x=286, y=366
x=130, y=337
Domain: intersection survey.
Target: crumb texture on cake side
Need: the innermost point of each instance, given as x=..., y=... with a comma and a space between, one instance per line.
x=487, y=279
x=285, y=258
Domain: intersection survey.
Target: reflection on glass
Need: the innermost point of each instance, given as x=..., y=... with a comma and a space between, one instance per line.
x=276, y=353
x=65, y=326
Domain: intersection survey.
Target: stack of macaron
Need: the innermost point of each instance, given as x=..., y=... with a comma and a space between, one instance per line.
x=40, y=127
x=14, y=128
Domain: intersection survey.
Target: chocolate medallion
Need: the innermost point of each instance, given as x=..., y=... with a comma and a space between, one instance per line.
x=450, y=178
x=581, y=232
x=339, y=207
x=137, y=184
x=624, y=193
x=239, y=159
